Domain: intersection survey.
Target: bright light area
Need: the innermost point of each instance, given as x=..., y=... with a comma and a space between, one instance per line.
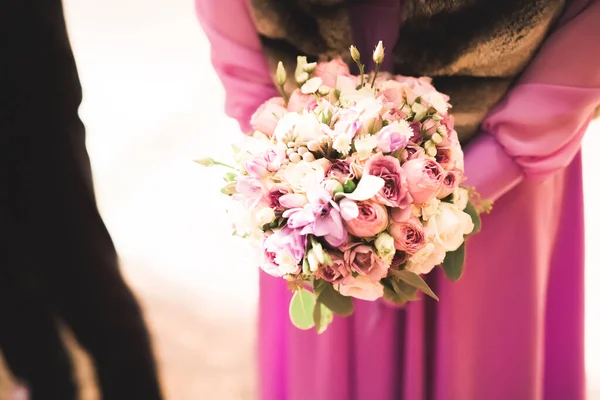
x=152, y=104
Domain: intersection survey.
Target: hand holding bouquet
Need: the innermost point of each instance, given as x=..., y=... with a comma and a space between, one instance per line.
x=352, y=185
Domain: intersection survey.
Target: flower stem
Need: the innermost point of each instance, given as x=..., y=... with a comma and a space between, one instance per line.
x=361, y=69
x=375, y=75
x=285, y=96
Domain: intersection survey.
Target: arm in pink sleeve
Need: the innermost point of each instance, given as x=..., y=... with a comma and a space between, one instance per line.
x=537, y=129
x=237, y=57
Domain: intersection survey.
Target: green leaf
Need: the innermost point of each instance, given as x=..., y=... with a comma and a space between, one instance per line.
x=414, y=280
x=332, y=299
x=470, y=209
x=454, y=263
x=301, y=309
x=392, y=296
x=404, y=290
x=322, y=317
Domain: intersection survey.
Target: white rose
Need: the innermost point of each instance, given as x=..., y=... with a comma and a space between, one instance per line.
x=384, y=244
x=430, y=208
x=303, y=175
x=365, y=145
x=361, y=287
x=284, y=131
x=307, y=128
x=424, y=260
x=265, y=215
x=460, y=198
x=449, y=226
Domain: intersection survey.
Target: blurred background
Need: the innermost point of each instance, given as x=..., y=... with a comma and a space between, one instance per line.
x=152, y=104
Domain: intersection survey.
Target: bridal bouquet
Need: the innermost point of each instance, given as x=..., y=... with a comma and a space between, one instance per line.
x=351, y=186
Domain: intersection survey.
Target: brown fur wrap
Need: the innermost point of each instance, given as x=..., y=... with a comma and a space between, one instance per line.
x=473, y=49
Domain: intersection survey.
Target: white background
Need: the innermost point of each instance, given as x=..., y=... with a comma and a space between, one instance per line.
x=152, y=104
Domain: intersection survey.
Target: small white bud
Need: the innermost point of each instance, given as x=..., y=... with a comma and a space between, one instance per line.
x=302, y=77
x=280, y=74
x=308, y=157
x=302, y=150
x=379, y=53
x=314, y=145
x=436, y=138
x=323, y=91
x=431, y=151
x=354, y=53
x=310, y=67
x=295, y=157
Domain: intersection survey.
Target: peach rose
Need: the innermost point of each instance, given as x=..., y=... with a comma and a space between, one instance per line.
x=336, y=272
x=424, y=178
x=409, y=236
x=372, y=219
x=364, y=260
x=266, y=117
x=329, y=71
x=299, y=101
x=361, y=287
x=449, y=184
x=395, y=191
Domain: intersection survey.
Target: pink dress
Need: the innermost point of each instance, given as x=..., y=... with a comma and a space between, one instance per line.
x=512, y=327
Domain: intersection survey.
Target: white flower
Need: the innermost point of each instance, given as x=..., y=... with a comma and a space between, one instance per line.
x=449, y=225
x=265, y=215
x=424, y=260
x=369, y=110
x=430, y=208
x=342, y=144
x=361, y=287
x=297, y=128
x=286, y=262
x=437, y=101
x=365, y=145
x=302, y=176
x=311, y=85
x=348, y=93
x=460, y=198
x=384, y=244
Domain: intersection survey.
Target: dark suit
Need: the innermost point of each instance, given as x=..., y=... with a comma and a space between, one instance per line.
x=60, y=261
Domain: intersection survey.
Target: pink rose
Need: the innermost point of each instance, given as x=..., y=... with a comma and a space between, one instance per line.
x=283, y=251
x=389, y=139
x=361, y=287
x=395, y=191
x=372, y=219
x=266, y=117
x=340, y=171
x=429, y=127
x=450, y=158
x=336, y=272
x=450, y=182
x=400, y=257
x=299, y=101
x=364, y=260
x=424, y=177
x=401, y=214
x=409, y=236
x=412, y=152
x=329, y=71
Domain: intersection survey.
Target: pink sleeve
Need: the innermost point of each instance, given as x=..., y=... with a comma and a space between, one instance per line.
x=537, y=129
x=237, y=57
